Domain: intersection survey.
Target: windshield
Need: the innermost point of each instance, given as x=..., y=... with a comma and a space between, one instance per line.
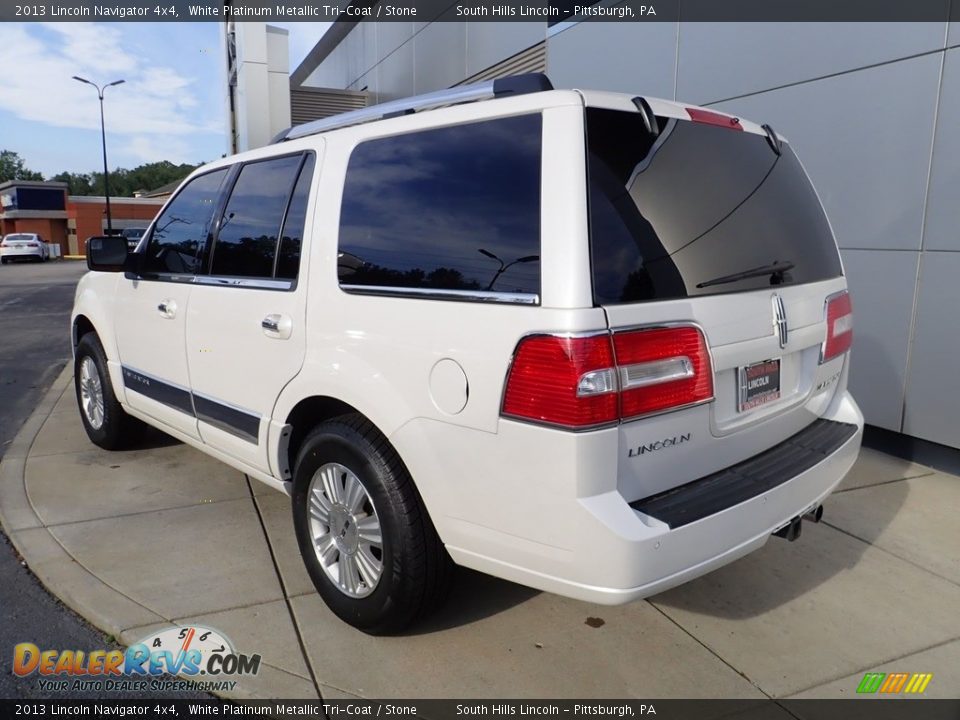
x=20, y=237
x=700, y=210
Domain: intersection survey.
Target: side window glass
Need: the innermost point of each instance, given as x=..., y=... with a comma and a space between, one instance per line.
x=246, y=245
x=180, y=232
x=449, y=209
x=291, y=238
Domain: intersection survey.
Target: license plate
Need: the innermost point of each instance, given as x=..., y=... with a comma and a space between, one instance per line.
x=758, y=384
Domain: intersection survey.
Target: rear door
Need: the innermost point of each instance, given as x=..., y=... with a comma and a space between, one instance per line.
x=246, y=323
x=716, y=226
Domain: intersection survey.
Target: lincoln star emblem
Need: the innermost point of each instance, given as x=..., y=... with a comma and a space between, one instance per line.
x=780, y=320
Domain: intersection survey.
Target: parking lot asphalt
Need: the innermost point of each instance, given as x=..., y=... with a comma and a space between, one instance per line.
x=163, y=534
x=35, y=302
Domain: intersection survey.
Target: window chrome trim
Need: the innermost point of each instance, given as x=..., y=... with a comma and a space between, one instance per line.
x=441, y=294
x=261, y=283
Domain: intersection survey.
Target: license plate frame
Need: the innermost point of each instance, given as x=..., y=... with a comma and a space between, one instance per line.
x=758, y=384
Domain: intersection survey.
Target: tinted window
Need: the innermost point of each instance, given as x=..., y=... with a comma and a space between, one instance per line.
x=247, y=242
x=288, y=257
x=704, y=203
x=455, y=208
x=180, y=232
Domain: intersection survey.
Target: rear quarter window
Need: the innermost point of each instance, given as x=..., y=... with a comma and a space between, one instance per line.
x=452, y=211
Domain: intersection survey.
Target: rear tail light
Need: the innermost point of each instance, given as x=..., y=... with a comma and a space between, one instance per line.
x=839, y=313
x=562, y=381
x=584, y=382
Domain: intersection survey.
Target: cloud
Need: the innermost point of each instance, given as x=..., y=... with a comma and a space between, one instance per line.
x=36, y=82
x=148, y=148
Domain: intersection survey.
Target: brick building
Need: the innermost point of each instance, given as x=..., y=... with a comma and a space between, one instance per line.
x=66, y=220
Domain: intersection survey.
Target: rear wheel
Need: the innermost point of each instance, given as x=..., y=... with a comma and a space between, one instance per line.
x=366, y=539
x=106, y=422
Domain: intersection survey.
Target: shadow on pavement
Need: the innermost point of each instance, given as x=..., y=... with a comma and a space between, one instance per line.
x=474, y=596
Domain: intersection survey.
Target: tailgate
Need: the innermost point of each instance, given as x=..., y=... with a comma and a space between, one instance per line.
x=707, y=224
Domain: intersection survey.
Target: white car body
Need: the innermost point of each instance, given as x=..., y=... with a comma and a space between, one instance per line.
x=538, y=505
x=18, y=246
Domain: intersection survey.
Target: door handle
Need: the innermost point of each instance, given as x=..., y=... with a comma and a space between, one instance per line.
x=167, y=308
x=277, y=326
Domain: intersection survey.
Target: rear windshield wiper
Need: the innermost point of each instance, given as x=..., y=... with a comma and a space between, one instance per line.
x=775, y=270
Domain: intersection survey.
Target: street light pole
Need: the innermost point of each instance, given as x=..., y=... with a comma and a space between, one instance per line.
x=103, y=138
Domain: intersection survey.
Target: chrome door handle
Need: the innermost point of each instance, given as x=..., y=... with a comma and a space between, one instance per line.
x=167, y=308
x=277, y=326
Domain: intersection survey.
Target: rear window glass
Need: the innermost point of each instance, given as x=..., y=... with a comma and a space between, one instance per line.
x=687, y=214
x=21, y=238
x=449, y=209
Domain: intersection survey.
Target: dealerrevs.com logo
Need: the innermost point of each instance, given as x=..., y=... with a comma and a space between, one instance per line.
x=204, y=657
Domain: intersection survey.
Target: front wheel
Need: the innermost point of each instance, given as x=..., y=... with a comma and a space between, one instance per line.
x=106, y=422
x=365, y=537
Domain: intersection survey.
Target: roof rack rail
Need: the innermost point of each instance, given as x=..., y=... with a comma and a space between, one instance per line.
x=513, y=85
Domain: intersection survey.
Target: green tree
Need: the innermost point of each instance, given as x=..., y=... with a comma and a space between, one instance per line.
x=12, y=168
x=77, y=183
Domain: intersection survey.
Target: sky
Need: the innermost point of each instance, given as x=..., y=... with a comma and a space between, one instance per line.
x=170, y=107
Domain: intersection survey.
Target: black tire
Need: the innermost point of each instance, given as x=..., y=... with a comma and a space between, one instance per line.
x=416, y=569
x=117, y=430
x=3, y=261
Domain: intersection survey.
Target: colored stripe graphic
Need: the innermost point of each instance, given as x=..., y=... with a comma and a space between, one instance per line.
x=871, y=682
x=918, y=682
x=894, y=683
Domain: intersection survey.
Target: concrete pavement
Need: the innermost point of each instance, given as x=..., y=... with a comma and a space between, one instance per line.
x=162, y=534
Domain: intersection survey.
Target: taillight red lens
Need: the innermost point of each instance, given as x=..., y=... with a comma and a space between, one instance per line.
x=581, y=382
x=839, y=326
x=662, y=368
x=545, y=375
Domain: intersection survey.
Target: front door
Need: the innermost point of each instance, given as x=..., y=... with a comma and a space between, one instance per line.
x=151, y=309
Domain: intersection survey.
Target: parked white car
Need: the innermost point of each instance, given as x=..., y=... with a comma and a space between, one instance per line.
x=23, y=246
x=592, y=343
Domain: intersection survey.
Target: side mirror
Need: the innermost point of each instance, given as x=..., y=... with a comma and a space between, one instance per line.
x=107, y=253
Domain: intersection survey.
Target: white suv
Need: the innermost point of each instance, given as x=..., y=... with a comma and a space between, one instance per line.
x=592, y=343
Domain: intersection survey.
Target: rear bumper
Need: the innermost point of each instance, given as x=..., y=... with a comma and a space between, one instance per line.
x=617, y=553
x=17, y=253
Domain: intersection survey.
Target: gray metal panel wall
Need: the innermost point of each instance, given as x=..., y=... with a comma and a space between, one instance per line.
x=882, y=284
x=942, y=227
x=933, y=385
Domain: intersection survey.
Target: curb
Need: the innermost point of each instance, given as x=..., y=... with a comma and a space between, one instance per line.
x=61, y=575
x=96, y=602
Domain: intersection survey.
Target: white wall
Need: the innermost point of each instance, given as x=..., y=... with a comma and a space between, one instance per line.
x=262, y=94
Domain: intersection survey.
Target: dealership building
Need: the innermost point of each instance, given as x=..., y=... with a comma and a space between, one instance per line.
x=872, y=109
